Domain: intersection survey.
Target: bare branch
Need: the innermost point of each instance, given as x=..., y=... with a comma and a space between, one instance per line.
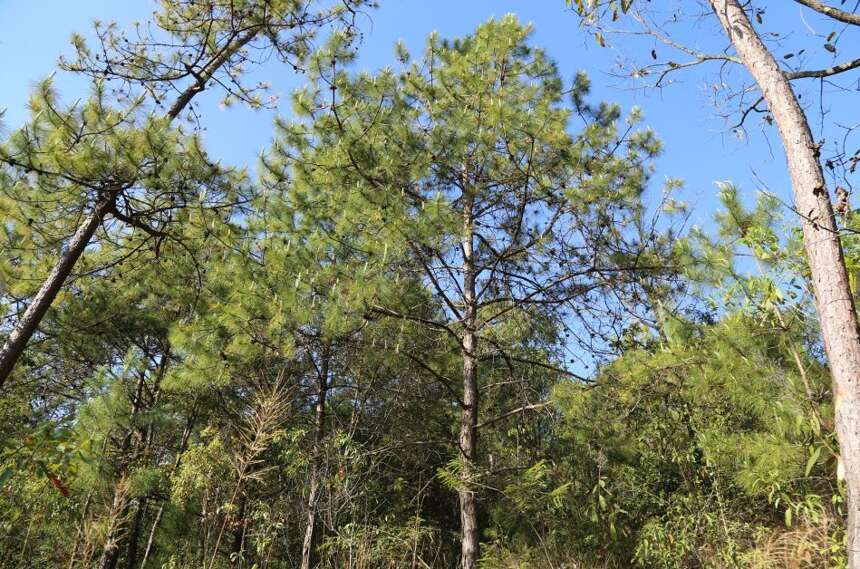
x=835, y=13
x=819, y=73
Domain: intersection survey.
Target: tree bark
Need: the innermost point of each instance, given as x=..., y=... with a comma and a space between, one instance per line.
x=470, y=551
x=835, y=13
x=308, y=543
x=17, y=340
x=834, y=302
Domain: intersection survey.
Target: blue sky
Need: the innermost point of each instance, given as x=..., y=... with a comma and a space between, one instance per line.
x=698, y=145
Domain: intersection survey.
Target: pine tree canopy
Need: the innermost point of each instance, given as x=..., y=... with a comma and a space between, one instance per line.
x=457, y=315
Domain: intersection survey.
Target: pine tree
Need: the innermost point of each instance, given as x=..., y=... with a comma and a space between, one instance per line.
x=90, y=154
x=462, y=166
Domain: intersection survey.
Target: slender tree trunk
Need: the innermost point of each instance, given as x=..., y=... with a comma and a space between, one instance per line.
x=26, y=540
x=134, y=535
x=118, y=512
x=120, y=508
x=308, y=543
x=183, y=445
x=470, y=551
x=151, y=539
x=17, y=340
x=835, y=304
x=308, y=557
x=239, y=535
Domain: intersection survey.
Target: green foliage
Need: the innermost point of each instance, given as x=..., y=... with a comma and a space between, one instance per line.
x=691, y=436
x=237, y=361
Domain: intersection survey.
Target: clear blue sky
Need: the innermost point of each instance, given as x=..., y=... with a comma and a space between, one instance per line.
x=698, y=147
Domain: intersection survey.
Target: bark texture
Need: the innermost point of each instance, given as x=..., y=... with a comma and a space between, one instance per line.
x=17, y=340
x=834, y=301
x=471, y=546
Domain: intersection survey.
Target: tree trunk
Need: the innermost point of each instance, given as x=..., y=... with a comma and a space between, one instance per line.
x=14, y=345
x=834, y=302
x=134, y=536
x=183, y=445
x=470, y=551
x=236, y=551
x=17, y=340
x=308, y=557
x=118, y=512
x=151, y=539
x=120, y=509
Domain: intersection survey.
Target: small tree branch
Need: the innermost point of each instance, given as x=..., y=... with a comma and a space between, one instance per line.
x=135, y=222
x=835, y=13
x=523, y=409
x=819, y=73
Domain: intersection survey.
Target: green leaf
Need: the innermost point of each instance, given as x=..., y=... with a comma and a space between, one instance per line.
x=5, y=475
x=813, y=458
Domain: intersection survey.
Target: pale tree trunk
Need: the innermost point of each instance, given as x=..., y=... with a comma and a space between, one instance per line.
x=308, y=543
x=834, y=301
x=17, y=340
x=151, y=539
x=470, y=551
x=308, y=557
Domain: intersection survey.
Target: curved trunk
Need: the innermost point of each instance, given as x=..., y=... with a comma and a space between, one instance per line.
x=834, y=302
